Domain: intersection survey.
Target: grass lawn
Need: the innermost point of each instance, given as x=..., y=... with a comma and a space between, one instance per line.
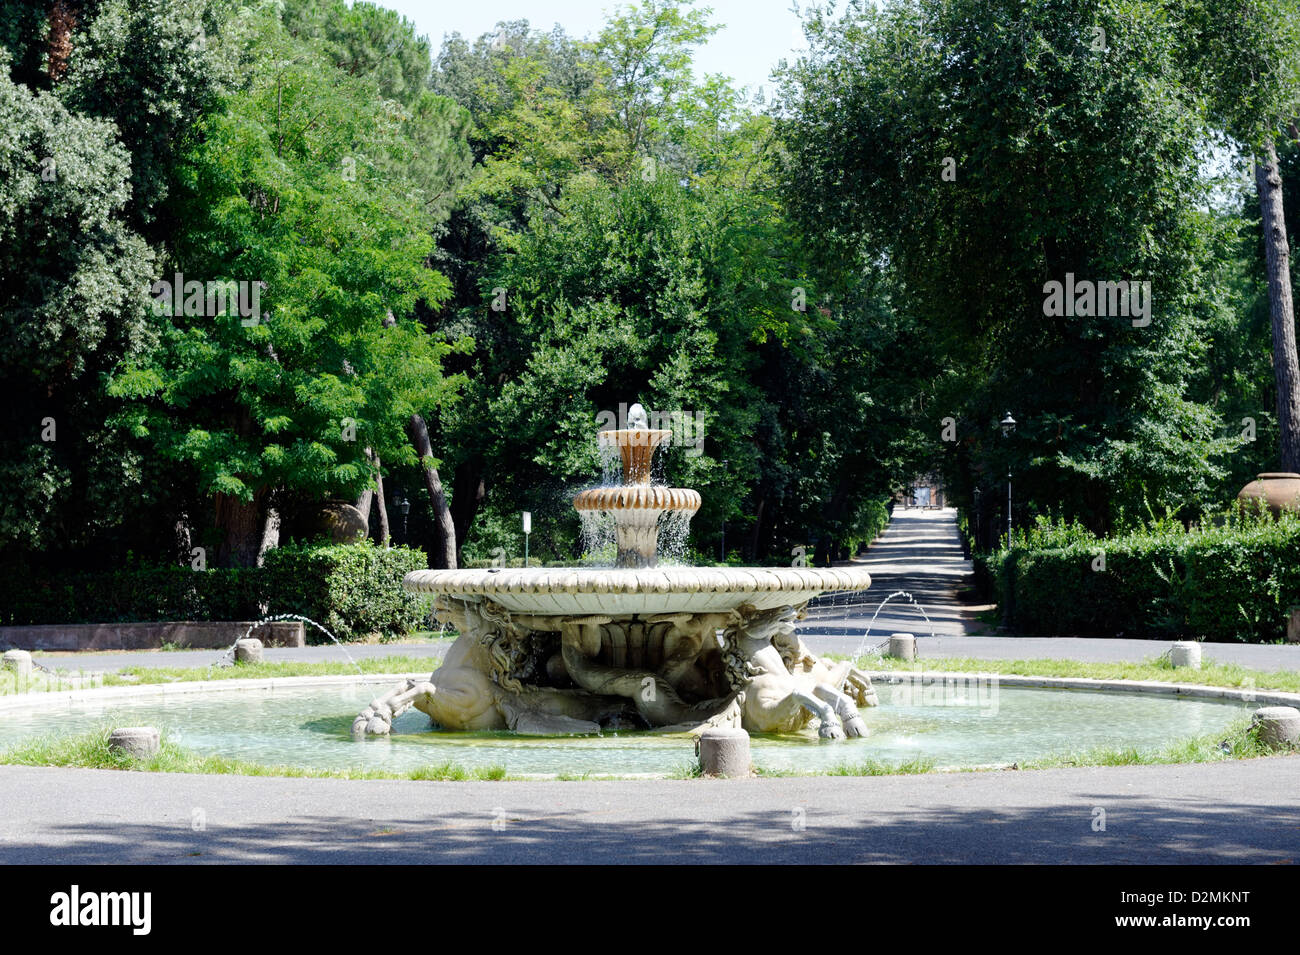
x=90, y=751
x=42, y=682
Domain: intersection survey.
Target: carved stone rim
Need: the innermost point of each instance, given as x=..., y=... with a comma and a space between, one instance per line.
x=654, y=580
x=637, y=496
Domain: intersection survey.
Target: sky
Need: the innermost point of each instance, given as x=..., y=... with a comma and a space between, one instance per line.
x=755, y=36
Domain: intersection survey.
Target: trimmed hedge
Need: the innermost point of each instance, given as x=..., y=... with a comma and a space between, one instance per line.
x=1235, y=582
x=353, y=590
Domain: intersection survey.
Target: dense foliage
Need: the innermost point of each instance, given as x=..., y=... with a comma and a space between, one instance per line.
x=463, y=260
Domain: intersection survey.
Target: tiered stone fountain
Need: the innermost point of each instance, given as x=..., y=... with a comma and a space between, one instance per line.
x=577, y=650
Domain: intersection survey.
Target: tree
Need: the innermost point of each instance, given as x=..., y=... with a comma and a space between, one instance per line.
x=297, y=186
x=983, y=151
x=72, y=275
x=1244, y=58
x=97, y=151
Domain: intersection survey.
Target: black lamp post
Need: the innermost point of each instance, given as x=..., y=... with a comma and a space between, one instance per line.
x=1008, y=425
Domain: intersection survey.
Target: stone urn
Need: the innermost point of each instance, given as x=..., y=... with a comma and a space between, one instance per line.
x=341, y=523
x=1279, y=490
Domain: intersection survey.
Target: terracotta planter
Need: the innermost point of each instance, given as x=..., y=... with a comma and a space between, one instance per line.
x=1278, y=490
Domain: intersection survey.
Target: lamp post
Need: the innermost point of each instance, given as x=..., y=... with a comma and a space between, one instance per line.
x=528, y=529
x=1008, y=425
x=404, y=506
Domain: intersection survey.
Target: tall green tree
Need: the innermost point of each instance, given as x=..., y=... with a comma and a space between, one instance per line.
x=1244, y=59
x=302, y=183
x=102, y=100
x=984, y=150
x=72, y=275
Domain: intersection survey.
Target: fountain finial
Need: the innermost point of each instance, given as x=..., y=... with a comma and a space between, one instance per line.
x=637, y=419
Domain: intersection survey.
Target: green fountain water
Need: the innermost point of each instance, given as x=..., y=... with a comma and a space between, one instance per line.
x=309, y=727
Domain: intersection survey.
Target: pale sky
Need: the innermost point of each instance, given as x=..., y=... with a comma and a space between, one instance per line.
x=756, y=33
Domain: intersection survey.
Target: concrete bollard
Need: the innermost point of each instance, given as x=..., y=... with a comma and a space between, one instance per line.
x=20, y=661
x=902, y=646
x=1278, y=726
x=1186, y=653
x=248, y=650
x=724, y=752
x=140, y=742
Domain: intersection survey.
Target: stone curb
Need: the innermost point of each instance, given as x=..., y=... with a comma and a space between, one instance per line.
x=20, y=701
x=1195, y=690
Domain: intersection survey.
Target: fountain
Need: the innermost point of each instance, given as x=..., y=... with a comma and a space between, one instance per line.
x=574, y=651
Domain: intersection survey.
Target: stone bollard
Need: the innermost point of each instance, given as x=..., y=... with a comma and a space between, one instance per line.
x=248, y=650
x=1278, y=726
x=1186, y=653
x=140, y=742
x=723, y=751
x=902, y=646
x=20, y=661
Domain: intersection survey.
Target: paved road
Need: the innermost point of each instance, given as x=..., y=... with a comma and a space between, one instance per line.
x=920, y=553
x=1230, y=812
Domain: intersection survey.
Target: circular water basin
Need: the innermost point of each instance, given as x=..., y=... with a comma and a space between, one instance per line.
x=309, y=726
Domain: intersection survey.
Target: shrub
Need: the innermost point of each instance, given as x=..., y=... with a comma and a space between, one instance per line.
x=353, y=590
x=1234, y=581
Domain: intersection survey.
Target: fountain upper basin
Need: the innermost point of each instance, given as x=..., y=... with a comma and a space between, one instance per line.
x=653, y=590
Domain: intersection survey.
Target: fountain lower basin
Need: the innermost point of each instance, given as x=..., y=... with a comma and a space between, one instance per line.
x=651, y=590
x=303, y=722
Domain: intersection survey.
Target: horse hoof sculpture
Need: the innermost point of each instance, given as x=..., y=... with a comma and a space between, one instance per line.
x=574, y=651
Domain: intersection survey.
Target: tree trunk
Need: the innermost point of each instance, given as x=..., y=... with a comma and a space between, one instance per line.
x=270, y=534
x=363, y=505
x=468, y=491
x=444, y=529
x=381, y=504
x=241, y=525
x=369, y=495
x=1277, y=257
x=63, y=20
